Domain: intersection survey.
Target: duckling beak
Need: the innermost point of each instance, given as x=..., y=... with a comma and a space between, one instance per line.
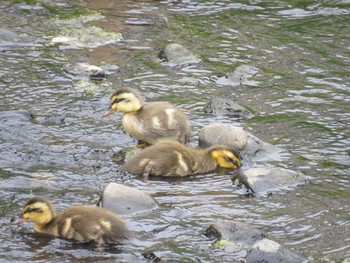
x=20, y=221
x=109, y=113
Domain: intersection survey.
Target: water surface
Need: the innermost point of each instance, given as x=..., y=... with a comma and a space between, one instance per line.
x=300, y=97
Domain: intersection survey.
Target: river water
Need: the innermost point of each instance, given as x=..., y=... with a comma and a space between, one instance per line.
x=299, y=96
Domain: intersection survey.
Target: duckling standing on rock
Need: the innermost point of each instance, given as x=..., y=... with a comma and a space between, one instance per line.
x=149, y=122
x=174, y=159
x=81, y=223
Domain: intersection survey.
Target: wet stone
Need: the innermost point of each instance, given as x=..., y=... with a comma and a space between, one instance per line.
x=221, y=106
x=125, y=200
x=222, y=134
x=87, y=37
x=251, y=148
x=81, y=70
x=233, y=236
x=264, y=180
x=177, y=54
x=269, y=251
x=15, y=116
x=241, y=234
x=10, y=38
x=125, y=154
x=242, y=75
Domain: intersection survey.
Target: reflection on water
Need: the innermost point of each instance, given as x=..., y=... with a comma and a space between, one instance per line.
x=300, y=100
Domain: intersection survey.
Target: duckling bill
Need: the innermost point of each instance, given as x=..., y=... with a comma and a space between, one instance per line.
x=80, y=223
x=149, y=122
x=174, y=159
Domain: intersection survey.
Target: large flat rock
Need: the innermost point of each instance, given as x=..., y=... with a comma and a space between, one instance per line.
x=125, y=200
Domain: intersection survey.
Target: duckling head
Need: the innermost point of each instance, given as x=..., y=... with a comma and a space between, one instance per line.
x=225, y=156
x=38, y=210
x=125, y=100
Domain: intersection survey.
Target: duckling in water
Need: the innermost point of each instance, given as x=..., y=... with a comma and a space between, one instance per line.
x=174, y=159
x=149, y=122
x=81, y=223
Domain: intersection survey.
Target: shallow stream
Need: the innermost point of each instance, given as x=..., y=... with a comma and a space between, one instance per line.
x=300, y=99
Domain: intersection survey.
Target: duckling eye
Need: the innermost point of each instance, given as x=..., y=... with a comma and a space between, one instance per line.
x=33, y=209
x=230, y=160
x=117, y=100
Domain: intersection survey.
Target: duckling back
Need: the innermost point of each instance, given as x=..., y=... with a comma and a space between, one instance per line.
x=165, y=159
x=84, y=223
x=158, y=121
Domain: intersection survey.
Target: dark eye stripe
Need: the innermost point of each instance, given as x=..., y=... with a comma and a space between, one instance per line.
x=32, y=209
x=117, y=100
x=231, y=160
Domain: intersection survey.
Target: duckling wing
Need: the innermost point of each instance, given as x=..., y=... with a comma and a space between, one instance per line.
x=164, y=159
x=160, y=160
x=164, y=120
x=84, y=223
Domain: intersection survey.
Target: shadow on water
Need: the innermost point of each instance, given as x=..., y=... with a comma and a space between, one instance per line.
x=59, y=146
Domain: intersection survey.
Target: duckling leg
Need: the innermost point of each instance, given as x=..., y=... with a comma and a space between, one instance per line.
x=101, y=241
x=147, y=171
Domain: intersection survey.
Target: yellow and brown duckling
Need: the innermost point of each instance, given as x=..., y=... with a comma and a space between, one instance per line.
x=149, y=122
x=81, y=223
x=174, y=159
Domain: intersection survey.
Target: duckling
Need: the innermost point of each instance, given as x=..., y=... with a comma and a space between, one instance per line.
x=170, y=158
x=149, y=122
x=81, y=223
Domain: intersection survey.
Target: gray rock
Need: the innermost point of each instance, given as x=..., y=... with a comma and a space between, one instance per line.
x=86, y=37
x=221, y=106
x=123, y=155
x=233, y=236
x=14, y=116
x=243, y=74
x=177, y=54
x=268, y=251
x=84, y=70
x=263, y=180
x=257, y=150
x=222, y=134
x=10, y=38
x=125, y=200
x=241, y=234
x=252, y=148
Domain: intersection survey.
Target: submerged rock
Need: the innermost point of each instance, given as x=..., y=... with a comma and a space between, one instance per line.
x=7, y=36
x=270, y=251
x=10, y=38
x=222, y=134
x=74, y=33
x=251, y=148
x=123, y=155
x=242, y=75
x=233, y=236
x=177, y=54
x=263, y=180
x=125, y=200
x=14, y=116
x=85, y=70
x=221, y=106
x=86, y=37
x=241, y=234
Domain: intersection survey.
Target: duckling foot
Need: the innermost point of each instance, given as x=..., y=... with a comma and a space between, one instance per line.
x=101, y=242
x=147, y=171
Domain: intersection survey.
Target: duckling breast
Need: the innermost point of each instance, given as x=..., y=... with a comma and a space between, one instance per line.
x=133, y=125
